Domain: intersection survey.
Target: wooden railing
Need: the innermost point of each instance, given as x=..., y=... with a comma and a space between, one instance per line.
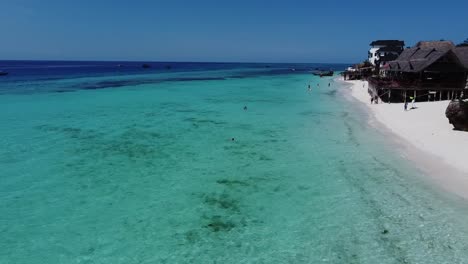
x=416, y=84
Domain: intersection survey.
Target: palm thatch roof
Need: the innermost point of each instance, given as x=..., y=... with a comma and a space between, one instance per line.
x=425, y=54
x=440, y=45
x=391, y=49
x=462, y=54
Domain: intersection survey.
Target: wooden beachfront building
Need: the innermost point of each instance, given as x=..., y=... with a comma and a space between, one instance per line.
x=462, y=54
x=431, y=70
x=357, y=72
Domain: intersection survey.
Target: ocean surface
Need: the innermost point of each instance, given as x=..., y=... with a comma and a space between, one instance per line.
x=107, y=162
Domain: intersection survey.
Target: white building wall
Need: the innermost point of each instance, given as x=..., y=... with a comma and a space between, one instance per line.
x=373, y=54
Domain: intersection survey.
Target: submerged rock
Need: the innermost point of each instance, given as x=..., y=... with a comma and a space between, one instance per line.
x=218, y=224
x=457, y=114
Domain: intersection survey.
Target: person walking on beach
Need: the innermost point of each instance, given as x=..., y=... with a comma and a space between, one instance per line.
x=406, y=105
x=412, y=102
x=371, y=100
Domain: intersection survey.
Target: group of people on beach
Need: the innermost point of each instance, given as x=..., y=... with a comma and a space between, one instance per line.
x=375, y=100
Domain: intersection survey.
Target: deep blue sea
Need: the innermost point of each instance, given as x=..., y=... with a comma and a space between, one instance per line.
x=110, y=162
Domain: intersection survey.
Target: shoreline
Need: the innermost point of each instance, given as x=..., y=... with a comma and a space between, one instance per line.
x=422, y=135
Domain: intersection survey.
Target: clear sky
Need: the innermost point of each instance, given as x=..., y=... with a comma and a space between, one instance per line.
x=209, y=30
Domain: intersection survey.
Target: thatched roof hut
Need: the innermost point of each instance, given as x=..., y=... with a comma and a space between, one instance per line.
x=431, y=70
x=462, y=54
x=437, y=56
x=440, y=45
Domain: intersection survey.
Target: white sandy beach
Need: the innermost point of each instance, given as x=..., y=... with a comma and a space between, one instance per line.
x=424, y=129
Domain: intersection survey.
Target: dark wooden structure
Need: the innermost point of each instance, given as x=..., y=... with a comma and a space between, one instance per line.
x=359, y=71
x=388, y=43
x=462, y=54
x=429, y=71
x=358, y=74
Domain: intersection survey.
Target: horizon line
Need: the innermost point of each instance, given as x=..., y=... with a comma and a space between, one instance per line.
x=175, y=61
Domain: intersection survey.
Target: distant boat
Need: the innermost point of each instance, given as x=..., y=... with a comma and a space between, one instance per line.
x=322, y=73
x=2, y=73
x=146, y=66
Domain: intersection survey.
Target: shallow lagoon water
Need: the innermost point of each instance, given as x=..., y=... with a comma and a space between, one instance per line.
x=148, y=173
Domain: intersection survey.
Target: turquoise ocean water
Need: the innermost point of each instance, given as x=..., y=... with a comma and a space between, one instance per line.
x=146, y=172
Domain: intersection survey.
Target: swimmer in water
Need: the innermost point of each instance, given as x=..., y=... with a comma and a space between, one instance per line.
x=245, y=107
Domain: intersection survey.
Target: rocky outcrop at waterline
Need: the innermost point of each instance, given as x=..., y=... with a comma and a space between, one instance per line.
x=457, y=114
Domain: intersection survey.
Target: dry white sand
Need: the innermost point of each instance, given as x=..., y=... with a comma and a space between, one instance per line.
x=424, y=129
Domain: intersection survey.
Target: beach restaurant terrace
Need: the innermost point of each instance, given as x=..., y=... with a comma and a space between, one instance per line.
x=430, y=71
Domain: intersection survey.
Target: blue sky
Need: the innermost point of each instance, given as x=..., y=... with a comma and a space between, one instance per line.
x=204, y=30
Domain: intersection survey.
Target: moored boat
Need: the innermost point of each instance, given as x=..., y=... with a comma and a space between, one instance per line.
x=322, y=73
